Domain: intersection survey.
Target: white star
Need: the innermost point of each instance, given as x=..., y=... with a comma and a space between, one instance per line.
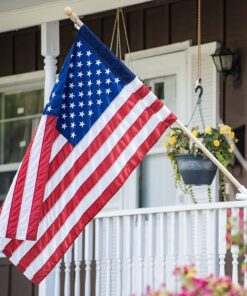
x=88, y=53
x=53, y=94
x=72, y=105
x=89, y=83
x=72, y=115
x=81, y=123
x=89, y=73
x=71, y=95
x=49, y=109
x=79, y=54
x=108, y=91
x=72, y=125
x=64, y=125
x=108, y=81
x=117, y=80
x=80, y=84
x=64, y=115
x=81, y=114
x=71, y=65
x=63, y=106
x=73, y=135
x=79, y=64
x=89, y=93
x=81, y=94
x=99, y=92
x=71, y=55
x=79, y=44
x=98, y=82
x=80, y=74
x=98, y=62
x=57, y=80
x=90, y=103
x=107, y=71
x=71, y=75
x=63, y=96
x=81, y=104
x=71, y=85
x=89, y=63
x=90, y=112
x=98, y=72
x=99, y=102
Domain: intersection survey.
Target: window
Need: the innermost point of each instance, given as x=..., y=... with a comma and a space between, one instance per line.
x=20, y=111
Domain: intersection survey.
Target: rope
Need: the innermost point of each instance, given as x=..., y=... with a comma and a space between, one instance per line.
x=199, y=40
x=116, y=33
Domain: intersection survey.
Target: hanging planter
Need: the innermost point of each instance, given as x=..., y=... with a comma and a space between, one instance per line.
x=196, y=170
x=190, y=164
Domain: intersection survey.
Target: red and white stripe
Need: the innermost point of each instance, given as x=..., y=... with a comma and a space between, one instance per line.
x=22, y=208
x=83, y=178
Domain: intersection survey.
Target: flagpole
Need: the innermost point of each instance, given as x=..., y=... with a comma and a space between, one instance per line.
x=73, y=16
x=243, y=191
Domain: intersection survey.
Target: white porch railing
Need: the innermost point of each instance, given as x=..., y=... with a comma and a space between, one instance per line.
x=122, y=252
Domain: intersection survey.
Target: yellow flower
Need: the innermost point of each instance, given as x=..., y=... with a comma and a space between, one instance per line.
x=230, y=150
x=208, y=130
x=225, y=129
x=216, y=143
x=165, y=144
x=232, y=135
x=195, y=133
x=173, y=140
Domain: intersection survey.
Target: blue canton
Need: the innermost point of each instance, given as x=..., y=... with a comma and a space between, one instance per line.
x=85, y=87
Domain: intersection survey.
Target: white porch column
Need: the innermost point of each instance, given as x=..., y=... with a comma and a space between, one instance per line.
x=50, y=51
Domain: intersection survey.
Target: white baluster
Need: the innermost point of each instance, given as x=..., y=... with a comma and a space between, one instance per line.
x=98, y=253
x=119, y=223
x=57, y=278
x=161, y=249
x=210, y=239
x=171, y=249
x=67, y=263
x=88, y=256
x=187, y=237
x=108, y=255
x=245, y=243
x=198, y=239
x=222, y=240
x=78, y=249
x=151, y=246
x=235, y=248
x=141, y=252
x=129, y=252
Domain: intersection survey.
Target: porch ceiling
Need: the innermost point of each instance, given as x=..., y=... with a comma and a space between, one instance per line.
x=18, y=14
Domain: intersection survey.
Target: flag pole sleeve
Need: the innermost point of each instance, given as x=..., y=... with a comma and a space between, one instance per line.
x=73, y=16
x=210, y=155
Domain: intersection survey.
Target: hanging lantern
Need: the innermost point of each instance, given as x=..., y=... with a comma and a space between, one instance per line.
x=226, y=62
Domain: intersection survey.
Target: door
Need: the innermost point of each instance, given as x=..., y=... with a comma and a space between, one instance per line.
x=156, y=177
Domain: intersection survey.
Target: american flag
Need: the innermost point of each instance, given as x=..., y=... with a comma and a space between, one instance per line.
x=100, y=122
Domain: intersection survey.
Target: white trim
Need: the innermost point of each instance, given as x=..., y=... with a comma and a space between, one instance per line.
x=9, y=167
x=31, y=80
x=169, y=209
x=147, y=53
x=54, y=10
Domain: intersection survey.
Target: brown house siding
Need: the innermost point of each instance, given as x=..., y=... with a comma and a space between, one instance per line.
x=157, y=23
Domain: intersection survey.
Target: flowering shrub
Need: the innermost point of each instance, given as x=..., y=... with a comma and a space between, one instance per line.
x=195, y=286
x=214, y=139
